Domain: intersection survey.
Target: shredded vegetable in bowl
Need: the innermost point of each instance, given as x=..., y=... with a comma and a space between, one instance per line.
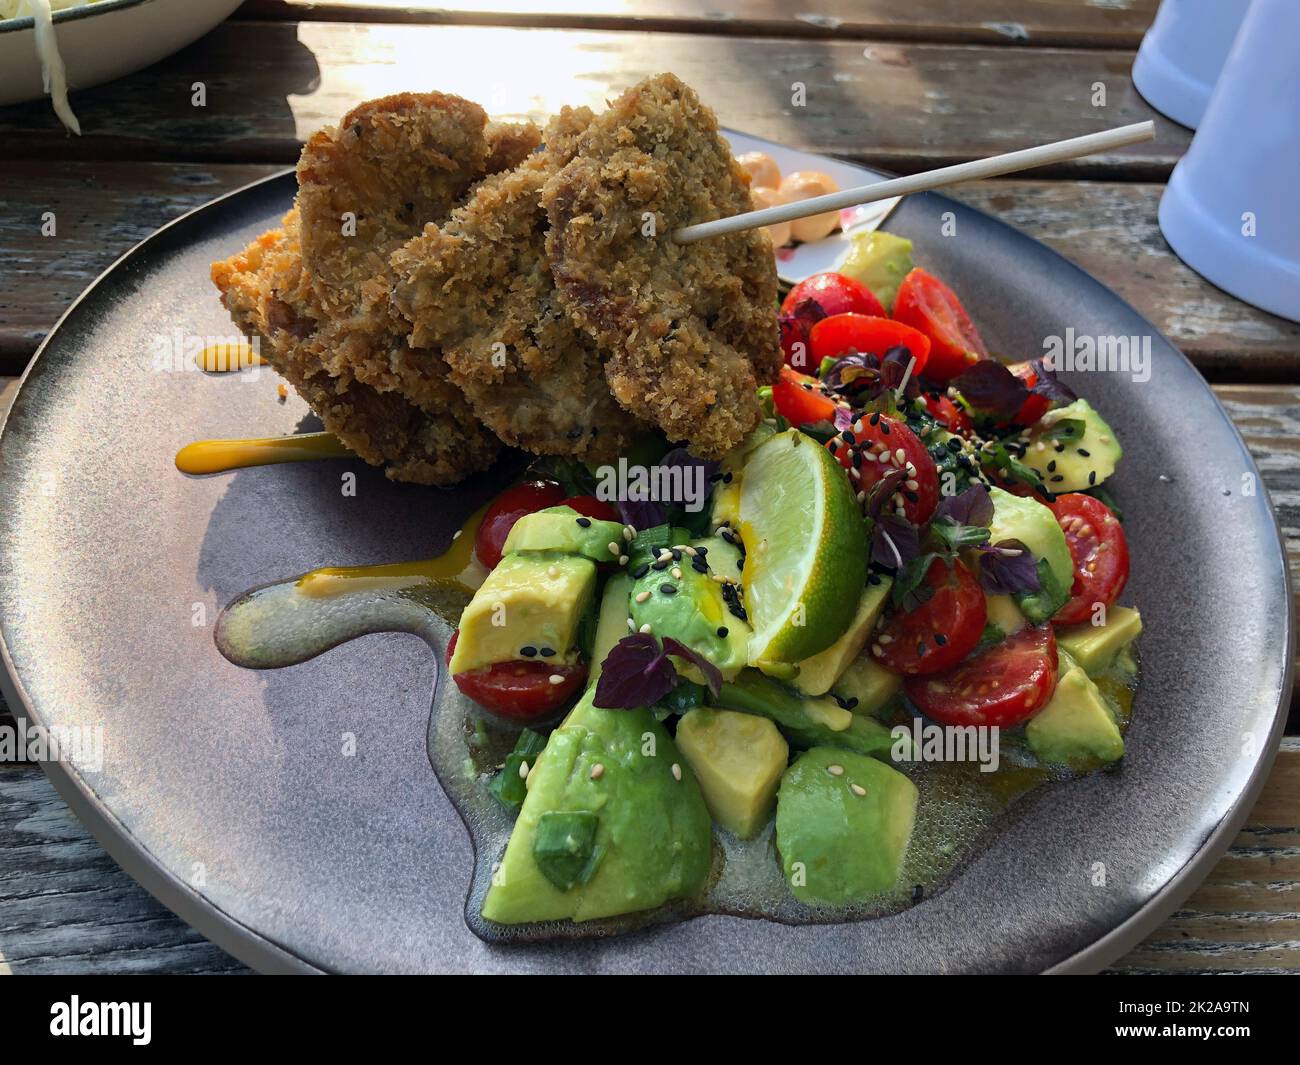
x=52, y=71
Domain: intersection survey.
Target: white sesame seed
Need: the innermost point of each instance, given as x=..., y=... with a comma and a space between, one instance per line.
x=900, y=456
x=552, y=571
x=676, y=572
x=677, y=771
x=645, y=627
x=876, y=649
x=555, y=678
x=597, y=771
x=523, y=770
x=631, y=625
x=614, y=549
x=690, y=551
x=885, y=638
x=862, y=497
x=628, y=532
x=910, y=485
x=835, y=770
x=857, y=789
x=456, y=534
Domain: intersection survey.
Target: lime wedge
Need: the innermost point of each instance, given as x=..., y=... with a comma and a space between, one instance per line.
x=805, y=548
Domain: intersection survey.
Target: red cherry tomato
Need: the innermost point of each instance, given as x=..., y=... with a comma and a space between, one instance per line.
x=877, y=433
x=592, y=507
x=1034, y=406
x=843, y=333
x=812, y=300
x=520, y=691
x=801, y=399
x=508, y=508
x=941, y=631
x=1100, y=552
x=948, y=414
x=929, y=305
x=1003, y=686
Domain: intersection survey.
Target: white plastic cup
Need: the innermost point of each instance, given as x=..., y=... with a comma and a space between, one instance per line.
x=1182, y=54
x=1230, y=210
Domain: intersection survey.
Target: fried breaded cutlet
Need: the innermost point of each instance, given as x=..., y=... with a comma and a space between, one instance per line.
x=318, y=291
x=269, y=296
x=479, y=288
x=689, y=331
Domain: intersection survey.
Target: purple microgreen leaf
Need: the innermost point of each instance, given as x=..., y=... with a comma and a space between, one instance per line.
x=635, y=673
x=992, y=389
x=854, y=369
x=1051, y=386
x=910, y=590
x=895, y=541
x=821, y=431
x=843, y=417
x=641, y=513
x=974, y=506
x=796, y=325
x=712, y=676
x=1008, y=568
x=883, y=491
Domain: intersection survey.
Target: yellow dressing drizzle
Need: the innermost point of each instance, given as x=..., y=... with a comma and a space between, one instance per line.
x=227, y=358
x=217, y=456
x=457, y=564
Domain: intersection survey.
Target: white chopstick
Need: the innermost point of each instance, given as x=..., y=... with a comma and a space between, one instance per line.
x=995, y=165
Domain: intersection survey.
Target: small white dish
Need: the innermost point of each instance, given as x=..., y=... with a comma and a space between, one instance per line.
x=1182, y=54
x=103, y=41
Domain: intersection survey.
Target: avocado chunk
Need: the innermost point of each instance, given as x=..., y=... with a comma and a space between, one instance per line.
x=866, y=687
x=805, y=722
x=652, y=838
x=611, y=622
x=1094, y=647
x=738, y=759
x=678, y=597
x=1076, y=462
x=1035, y=526
x=843, y=823
x=530, y=607
x=1003, y=612
x=880, y=261
x=1076, y=727
x=817, y=674
x=564, y=530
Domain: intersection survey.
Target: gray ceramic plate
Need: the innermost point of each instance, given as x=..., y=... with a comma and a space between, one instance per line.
x=223, y=791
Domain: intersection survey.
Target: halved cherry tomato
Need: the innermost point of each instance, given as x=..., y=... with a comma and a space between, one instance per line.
x=841, y=334
x=1100, y=552
x=801, y=399
x=929, y=305
x=520, y=691
x=813, y=299
x=941, y=631
x=875, y=434
x=948, y=414
x=1034, y=406
x=1003, y=686
x=508, y=508
x=592, y=507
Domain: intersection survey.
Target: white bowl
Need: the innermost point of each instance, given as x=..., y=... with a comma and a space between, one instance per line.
x=1182, y=54
x=1229, y=209
x=103, y=41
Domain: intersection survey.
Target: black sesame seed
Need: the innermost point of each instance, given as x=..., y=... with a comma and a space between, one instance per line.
x=548, y=652
x=911, y=497
x=1092, y=476
x=873, y=578
x=1059, y=447
x=722, y=631
x=640, y=571
x=839, y=701
x=701, y=551
x=726, y=478
x=668, y=589
x=528, y=651
x=850, y=702
x=940, y=638
x=1051, y=466
x=1058, y=477
x=659, y=565
x=954, y=444
x=875, y=418
x=740, y=562
x=848, y=437
x=884, y=428
x=1084, y=453
x=584, y=522
x=677, y=554
x=920, y=648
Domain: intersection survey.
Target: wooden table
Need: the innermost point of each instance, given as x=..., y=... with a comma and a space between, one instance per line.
x=902, y=84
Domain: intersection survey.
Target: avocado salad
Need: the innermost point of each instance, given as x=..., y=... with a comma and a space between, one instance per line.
x=913, y=553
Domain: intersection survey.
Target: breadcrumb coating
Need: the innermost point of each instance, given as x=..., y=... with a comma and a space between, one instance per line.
x=690, y=331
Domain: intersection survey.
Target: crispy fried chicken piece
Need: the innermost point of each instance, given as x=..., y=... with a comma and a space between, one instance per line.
x=480, y=289
x=689, y=330
x=318, y=292
x=269, y=296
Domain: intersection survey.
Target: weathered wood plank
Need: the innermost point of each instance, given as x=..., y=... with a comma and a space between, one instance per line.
x=1109, y=228
x=1020, y=22
x=899, y=105
x=65, y=907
